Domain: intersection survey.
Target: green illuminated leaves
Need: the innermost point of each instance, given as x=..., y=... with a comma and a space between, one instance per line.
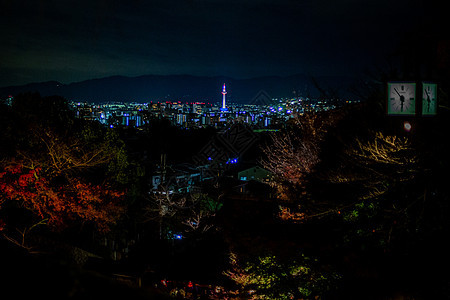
x=272, y=277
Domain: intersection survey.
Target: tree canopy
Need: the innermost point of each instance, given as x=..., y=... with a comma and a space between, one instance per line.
x=64, y=170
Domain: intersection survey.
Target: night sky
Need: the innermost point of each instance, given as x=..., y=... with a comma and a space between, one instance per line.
x=71, y=41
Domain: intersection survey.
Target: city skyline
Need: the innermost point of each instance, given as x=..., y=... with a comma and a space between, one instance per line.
x=200, y=114
x=211, y=149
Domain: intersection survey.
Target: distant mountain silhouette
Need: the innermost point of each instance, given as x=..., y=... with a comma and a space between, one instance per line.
x=188, y=88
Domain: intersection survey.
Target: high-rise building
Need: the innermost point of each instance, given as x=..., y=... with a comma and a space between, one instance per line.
x=224, y=92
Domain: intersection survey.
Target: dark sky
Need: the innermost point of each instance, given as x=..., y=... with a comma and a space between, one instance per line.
x=71, y=41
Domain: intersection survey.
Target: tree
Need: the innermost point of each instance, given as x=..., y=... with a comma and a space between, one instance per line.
x=202, y=209
x=60, y=203
x=68, y=174
x=381, y=174
x=371, y=178
x=294, y=153
x=270, y=277
x=188, y=212
x=163, y=206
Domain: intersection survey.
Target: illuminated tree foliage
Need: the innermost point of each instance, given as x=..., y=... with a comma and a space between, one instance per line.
x=379, y=158
x=67, y=175
x=202, y=211
x=381, y=172
x=293, y=154
x=373, y=180
x=188, y=212
x=290, y=158
x=66, y=156
x=371, y=169
x=376, y=164
x=60, y=204
x=269, y=277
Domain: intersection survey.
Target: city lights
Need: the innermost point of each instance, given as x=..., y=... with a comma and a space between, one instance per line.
x=200, y=114
x=224, y=150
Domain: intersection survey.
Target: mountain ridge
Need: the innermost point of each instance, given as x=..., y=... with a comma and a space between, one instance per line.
x=184, y=87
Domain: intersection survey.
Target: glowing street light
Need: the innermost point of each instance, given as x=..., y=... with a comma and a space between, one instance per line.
x=407, y=126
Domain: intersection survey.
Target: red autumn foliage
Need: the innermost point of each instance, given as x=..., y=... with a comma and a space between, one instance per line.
x=60, y=204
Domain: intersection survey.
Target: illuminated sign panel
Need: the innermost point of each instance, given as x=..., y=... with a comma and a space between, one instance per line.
x=401, y=98
x=429, y=99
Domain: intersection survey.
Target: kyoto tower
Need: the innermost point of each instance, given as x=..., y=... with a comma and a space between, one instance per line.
x=224, y=92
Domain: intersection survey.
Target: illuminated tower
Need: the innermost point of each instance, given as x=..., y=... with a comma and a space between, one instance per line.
x=224, y=92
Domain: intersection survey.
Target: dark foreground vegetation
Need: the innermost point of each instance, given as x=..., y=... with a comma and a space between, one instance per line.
x=358, y=208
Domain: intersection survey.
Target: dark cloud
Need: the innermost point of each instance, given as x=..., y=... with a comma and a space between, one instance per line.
x=75, y=40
